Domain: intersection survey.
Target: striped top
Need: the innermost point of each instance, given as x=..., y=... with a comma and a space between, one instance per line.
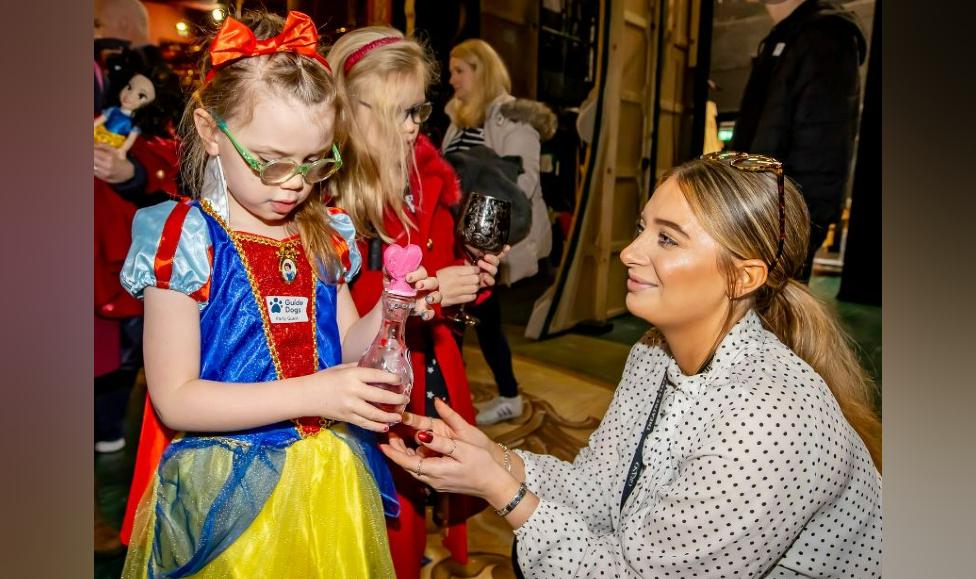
x=465, y=139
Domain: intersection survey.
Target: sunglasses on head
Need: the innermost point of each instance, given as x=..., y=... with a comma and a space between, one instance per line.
x=759, y=164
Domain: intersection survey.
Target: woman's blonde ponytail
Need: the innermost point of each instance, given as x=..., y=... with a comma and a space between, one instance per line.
x=810, y=328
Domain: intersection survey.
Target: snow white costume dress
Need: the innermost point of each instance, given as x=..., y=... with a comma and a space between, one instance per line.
x=303, y=498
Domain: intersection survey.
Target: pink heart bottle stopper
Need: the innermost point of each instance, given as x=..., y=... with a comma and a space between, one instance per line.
x=398, y=262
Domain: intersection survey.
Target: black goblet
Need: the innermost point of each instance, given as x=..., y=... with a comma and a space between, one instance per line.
x=483, y=226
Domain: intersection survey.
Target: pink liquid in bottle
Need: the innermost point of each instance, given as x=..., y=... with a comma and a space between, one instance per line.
x=399, y=389
x=389, y=352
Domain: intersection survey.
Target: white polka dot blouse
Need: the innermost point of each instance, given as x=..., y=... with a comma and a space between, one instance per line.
x=750, y=471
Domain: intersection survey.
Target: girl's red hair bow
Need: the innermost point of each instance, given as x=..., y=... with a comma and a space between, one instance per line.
x=236, y=41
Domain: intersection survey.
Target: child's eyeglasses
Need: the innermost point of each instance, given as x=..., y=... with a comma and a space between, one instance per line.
x=759, y=164
x=277, y=171
x=417, y=113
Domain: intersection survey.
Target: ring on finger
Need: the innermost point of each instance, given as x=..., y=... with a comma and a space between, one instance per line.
x=453, y=448
x=419, y=471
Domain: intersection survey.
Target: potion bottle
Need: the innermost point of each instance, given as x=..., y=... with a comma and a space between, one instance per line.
x=389, y=351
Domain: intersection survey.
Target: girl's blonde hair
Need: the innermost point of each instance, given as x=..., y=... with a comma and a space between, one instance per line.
x=232, y=94
x=491, y=80
x=740, y=210
x=373, y=179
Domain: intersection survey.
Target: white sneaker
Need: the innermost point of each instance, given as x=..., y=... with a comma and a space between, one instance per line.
x=487, y=403
x=106, y=446
x=500, y=409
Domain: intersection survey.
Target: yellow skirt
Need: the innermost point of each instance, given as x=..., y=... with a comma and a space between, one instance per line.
x=324, y=519
x=103, y=135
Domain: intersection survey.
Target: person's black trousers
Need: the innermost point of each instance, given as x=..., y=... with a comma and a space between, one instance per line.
x=494, y=344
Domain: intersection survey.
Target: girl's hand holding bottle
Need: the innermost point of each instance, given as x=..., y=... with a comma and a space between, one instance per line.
x=345, y=393
x=397, y=262
x=427, y=293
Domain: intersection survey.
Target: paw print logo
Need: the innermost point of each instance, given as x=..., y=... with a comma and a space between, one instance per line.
x=275, y=306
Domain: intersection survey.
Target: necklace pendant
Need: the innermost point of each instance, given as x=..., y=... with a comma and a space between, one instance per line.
x=286, y=262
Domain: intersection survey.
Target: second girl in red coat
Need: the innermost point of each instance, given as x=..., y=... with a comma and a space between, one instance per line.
x=398, y=189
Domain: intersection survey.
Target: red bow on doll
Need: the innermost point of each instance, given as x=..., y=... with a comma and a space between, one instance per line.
x=236, y=41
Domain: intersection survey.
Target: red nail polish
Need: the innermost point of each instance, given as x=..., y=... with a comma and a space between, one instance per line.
x=425, y=436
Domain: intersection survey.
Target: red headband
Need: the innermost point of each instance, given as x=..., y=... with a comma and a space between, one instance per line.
x=359, y=54
x=236, y=41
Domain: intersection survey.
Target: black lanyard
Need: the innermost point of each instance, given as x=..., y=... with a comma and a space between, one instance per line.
x=637, y=464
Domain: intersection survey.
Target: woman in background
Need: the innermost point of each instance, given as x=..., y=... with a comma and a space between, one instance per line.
x=483, y=112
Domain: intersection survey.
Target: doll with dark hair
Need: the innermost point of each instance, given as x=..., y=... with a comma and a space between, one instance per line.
x=147, y=105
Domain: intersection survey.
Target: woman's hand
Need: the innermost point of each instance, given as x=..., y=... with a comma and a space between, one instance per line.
x=458, y=284
x=345, y=393
x=111, y=165
x=454, y=456
x=453, y=425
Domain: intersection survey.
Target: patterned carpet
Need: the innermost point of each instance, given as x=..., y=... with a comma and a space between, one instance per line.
x=561, y=411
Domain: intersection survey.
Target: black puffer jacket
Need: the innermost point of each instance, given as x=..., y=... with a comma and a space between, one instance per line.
x=480, y=169
x=801, y=102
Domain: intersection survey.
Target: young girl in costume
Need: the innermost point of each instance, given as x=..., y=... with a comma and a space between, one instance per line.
x=236, y=347
x=384, y=76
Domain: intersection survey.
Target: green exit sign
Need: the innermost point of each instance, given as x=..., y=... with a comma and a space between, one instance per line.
x=725, y=135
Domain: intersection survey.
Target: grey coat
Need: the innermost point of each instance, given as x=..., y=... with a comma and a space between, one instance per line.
x=517, y=127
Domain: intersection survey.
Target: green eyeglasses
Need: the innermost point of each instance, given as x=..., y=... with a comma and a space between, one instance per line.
x=759, y=164
x=277, y=171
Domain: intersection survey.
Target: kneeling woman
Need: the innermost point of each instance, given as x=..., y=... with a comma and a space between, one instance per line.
x=741, y=441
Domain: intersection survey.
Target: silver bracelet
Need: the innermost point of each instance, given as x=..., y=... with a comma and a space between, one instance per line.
x=508, y=457
x=522, y=490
